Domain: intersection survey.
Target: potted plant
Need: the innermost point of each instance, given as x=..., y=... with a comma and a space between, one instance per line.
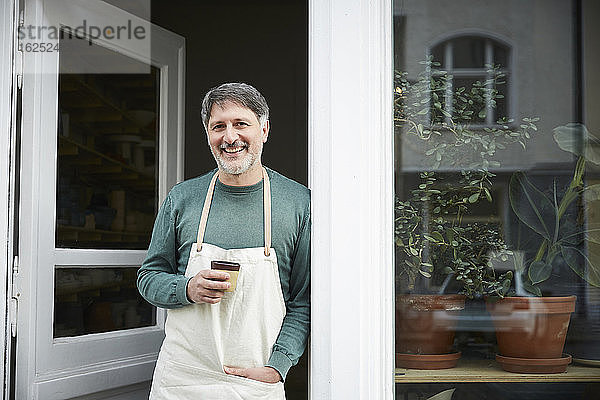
x=531, y=331
x=436, y=242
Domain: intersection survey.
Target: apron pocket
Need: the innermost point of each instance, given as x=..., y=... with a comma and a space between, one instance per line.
x=180, y=381
x=247, y=382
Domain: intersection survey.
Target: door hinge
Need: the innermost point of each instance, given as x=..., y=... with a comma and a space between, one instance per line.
x=19, y=52
x=19, y=68
x=14, y=296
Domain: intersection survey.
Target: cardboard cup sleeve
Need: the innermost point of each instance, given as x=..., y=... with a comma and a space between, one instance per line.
x=232, y=268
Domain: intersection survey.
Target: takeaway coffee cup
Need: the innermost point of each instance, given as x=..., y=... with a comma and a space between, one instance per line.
x=232, y=268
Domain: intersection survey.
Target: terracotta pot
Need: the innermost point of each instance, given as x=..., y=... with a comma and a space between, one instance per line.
x=531, y=327
x=425, y=324
x=534, y=365
x=427, y=361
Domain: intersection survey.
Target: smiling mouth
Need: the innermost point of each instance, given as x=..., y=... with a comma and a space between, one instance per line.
x=233, y=150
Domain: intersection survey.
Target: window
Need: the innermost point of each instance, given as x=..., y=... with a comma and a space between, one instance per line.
x=494, y=216
x=475, y=64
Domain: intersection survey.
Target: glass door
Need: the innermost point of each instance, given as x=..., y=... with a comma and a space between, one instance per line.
x=101, y=147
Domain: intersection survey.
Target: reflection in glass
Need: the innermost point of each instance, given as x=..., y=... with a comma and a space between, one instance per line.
x=464, y=64
x=94, y=300
x=468, y=52
x=500, y=55
x=495, y=190
x=107, y=159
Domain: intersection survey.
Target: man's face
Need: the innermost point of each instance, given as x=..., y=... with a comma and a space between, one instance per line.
x=236, y=138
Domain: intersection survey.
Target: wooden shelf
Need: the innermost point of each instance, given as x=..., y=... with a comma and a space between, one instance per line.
x=70, y=290
x=70, y=147
x=490, y=371
x=72, y=234
x=107, y=106
x=101, y=231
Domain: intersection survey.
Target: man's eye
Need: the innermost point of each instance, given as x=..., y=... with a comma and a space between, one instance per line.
x=242, y=123
x=218, y=126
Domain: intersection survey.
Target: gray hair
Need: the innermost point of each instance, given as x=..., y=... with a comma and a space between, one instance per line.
x=239, y=93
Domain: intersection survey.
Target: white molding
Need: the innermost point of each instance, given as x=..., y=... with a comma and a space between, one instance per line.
x=7, y=84
x=181, y=113
x=351, y=178
x=103, y=377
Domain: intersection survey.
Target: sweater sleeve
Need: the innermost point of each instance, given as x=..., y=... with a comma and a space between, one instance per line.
x=293, y=336
x=158, y=280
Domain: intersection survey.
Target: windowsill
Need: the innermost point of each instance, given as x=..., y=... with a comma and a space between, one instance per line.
x=490, y=371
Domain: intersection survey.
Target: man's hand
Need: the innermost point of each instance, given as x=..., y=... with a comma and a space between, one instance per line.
x=207, y=286
x=262, y=374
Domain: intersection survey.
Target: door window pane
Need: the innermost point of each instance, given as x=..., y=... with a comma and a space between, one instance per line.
x=107, y=159
x=94, y=300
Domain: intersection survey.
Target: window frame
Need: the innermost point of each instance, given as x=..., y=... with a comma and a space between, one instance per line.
x=8, y=84
x=351, y=174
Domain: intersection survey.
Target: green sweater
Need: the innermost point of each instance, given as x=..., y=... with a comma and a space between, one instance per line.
x=236, y=221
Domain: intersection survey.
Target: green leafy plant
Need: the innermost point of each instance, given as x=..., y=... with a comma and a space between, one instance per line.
x=434, y=234
x=433, y=240
x=560, y=234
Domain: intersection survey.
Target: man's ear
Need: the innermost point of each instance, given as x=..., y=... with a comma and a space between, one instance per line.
x=265, y=131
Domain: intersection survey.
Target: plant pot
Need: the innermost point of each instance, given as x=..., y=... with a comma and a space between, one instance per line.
x=427, y=361
x=583, y=340
x=534, y=365
x=425, y=325
x=532, y=327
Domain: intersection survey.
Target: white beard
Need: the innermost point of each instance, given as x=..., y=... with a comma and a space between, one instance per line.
x=237, y=168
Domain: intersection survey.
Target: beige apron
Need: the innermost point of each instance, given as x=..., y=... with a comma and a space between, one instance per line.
x=239, y=331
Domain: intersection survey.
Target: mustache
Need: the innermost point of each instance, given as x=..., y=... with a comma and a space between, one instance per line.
x=237, y=143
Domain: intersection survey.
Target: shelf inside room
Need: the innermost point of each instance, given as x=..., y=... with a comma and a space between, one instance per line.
x=490, y=371
x=107, y=160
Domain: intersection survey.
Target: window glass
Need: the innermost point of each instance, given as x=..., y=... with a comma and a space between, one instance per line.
x=472, y=82
x=94, y=300
x=496, y=209
x=468, y=52
x=469, y=99
x=500, y=110
x=500, y=55
x=107, y=156
x=438, y=54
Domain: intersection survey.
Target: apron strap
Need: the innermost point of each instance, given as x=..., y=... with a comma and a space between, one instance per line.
x=205, y=209
x=266, y=211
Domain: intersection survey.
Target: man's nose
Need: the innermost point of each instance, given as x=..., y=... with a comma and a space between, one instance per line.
x=230, y=134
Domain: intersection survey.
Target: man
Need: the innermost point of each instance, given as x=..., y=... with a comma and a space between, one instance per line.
x=236, y=344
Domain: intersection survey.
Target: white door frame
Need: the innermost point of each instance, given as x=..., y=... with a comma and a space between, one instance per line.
x=7, y=115
x=351, y=172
